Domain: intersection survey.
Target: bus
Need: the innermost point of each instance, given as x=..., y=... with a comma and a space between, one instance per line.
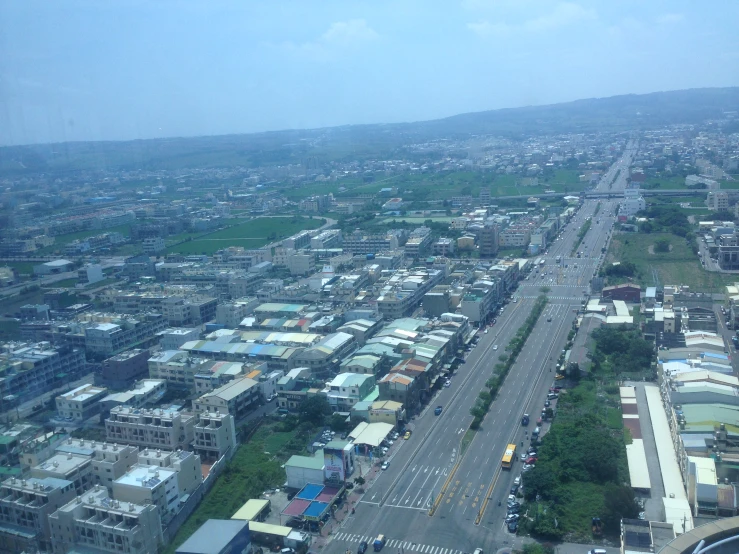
x=542, y=262
x=559, y=259
x=509, y=457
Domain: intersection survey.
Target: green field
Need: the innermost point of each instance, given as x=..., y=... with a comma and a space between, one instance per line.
x=677, y=267
x=251, y=234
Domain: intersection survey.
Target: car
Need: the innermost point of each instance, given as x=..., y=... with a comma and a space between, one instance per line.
x=527, y=467
x=514, y=489
x=385, y=465
x=642, y=515
x=447, y=383
x=362, y=548
x=531, y=451
x=384, y=449
x=531, y=460
x=517, y=480
x=513, y=526
x=552, y=396
x=549, y=319
x=407, y=435
x=511, y=517
x=437, y=410
x=515, y=300
x=547, y=403
x=524, y=456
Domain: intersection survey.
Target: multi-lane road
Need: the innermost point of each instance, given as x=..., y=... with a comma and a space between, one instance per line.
x=431, y=500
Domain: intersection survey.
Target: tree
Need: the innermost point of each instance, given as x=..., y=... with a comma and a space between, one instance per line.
x=338, y=423
x=314, y=410
x=619, y=503
x=359, y=481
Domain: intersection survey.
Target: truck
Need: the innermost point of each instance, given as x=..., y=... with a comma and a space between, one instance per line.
x=525, y=420
x=379, y=543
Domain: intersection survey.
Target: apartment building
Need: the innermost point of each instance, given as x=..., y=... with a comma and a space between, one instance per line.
x=98, y=522
x=418, y=242
x=182, y=311
x=230, y=314
x=109, y=461
x=123, y=369
x=237, y=397
x=717, y=200
x=76, y=468
x=632, y=203
x=31, y=369
x=487, y=240
x=361, y=243
x=299, y=263
x=177, y=367
x=173, y=338
x=153, y=245
x=143, y=393
x=25, y=507
x=217, y=374
x=442, y=247
x=515, y=236
x=145, y=484
x=214, y=436
x=114, y=334
x=81, y=403
x=346, y=389
x=185, y=463
x=156, y=428
x=298, y=240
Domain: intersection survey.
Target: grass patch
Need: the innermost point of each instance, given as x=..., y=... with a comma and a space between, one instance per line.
x=250, y=234
x=65, y=283
x=677, y=267
x=25, y=268
x=466, y=441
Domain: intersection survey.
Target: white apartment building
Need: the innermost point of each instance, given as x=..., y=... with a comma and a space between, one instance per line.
x=145, y=484
x=444, y=247
x=156, y=428
x=632, y=203
x=177, y=367
x=717, y=200
x=173, y=338
x=237, y=397
x=98, y=522
x=230, y=314
x=80, y=404
x=109, y=461
x=153, y=245
x=215, y=436
x=185, y=463
x=76, y=468
x=514, y=237
x=25, y=507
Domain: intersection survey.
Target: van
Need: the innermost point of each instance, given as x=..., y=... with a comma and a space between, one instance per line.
x=379, y=543
x=597, y=551
x=535, y=432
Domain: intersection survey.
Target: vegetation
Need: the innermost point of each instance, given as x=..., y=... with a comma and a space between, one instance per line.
x=581, y=470
x=254, y=233
x=665, y=218
x=581, y=235
x=485, y=397
x=621, y=353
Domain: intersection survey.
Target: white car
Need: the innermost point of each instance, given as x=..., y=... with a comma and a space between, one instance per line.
x=384, y=466
x=486, y=331
x=495, y=347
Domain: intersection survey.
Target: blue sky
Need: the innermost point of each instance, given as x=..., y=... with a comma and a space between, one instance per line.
x=109, y=69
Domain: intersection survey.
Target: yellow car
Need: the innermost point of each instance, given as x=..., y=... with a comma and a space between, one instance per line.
x=559, y=377
x=407, y=435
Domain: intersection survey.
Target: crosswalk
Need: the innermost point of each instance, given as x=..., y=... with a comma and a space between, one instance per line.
x=406, y=546
x=570, y=298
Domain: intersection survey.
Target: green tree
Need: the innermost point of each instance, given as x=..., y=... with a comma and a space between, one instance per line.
x=338, y=423
x=662, y=245
x=314, y=410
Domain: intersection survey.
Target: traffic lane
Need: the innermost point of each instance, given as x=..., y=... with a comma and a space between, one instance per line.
x=437, y=441
x=501, y=423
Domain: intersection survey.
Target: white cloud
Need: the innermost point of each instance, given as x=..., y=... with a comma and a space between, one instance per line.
x=669, y=18
x=565, y=13
x=340, y=37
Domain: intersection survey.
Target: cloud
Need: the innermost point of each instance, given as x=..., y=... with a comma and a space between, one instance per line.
x=341, y=37
x=565, y=13
x=669, y=18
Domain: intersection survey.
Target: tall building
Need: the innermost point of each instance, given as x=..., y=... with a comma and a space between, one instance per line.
x=487, y=240
x=215, y=436
x=156, y=428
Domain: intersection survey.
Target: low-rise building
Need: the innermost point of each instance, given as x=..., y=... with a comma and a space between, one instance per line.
x=144, y=485
x=173, y=338
x=346, y=389
x=177, y=367
x=101, y=523
x=214, y=436
x=145, y=392
x=122, y=370
x=186, y=464
x=76, y=468
x=237, y=397
x=109, y=461
x=218, y=536
x=81, y=403
x=25, y=507
x=153, y=245
x=156, y=428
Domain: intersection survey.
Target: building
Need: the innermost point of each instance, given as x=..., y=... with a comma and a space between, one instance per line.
x=109, y=461
x=230, y=314
x=156, y=428
x=145, y=485
x=153, y=245
x=172, y=339
x=89, y=274
x=361, y=243
x=183, y=311
x=185, y=463
x=115, y=334
x=717, y=201
x=34, y=312
x=443, y=247
x=25, y=507
x=103, y=524
x=346, y=389
x=76, y=468
x=487, y=240
x=53, y=267
x=80, y=404
x=325, y=356
x=218, y=536
x=214, y=436
x=31, y=369
x=144, y=392
x=177, y=367
x=123, y=369
x=626, y=292
x=633, y=202
x=238, y=397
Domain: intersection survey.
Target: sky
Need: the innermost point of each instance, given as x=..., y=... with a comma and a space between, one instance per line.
x=75, y=70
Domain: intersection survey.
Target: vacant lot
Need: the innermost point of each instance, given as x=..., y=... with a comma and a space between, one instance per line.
x=251, y=234
x=677, y=267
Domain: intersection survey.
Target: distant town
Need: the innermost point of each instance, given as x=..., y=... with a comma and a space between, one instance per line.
x=529, y=340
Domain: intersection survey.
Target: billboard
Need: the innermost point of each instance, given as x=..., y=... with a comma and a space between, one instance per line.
x=333, y=464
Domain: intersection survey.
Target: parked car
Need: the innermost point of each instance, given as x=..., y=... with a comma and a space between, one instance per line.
x=437, y=410
x=513, y=526
x=385, y=465
x=407, y=435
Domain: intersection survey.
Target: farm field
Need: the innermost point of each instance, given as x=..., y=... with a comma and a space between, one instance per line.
x=254, y=233
x=677, y=267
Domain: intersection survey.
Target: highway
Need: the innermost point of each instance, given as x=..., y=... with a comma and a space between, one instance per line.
x=431, y=500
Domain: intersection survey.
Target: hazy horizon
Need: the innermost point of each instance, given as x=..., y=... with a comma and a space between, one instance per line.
x=83, y=71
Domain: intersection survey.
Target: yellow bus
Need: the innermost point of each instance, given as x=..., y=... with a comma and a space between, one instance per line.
x=509, y=457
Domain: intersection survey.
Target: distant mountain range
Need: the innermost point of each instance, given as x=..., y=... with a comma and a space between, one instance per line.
x=616, y=113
